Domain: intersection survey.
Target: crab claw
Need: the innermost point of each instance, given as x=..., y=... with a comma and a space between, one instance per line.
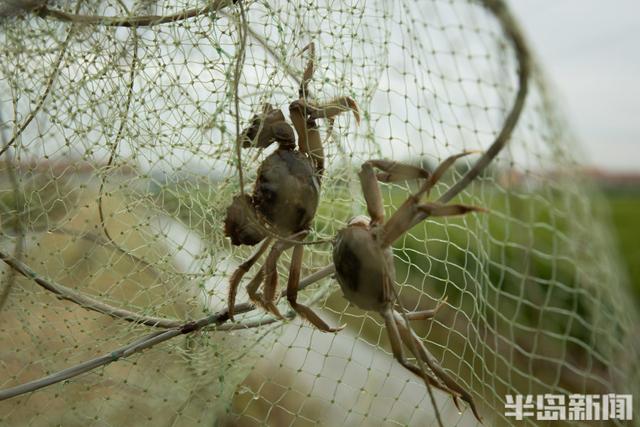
x=267, y=127
x=241, y=223
x=310, y=69
x=333, y=108
x=438, y=209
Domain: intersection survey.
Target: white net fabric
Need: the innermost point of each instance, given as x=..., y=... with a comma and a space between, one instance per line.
x=118, y=123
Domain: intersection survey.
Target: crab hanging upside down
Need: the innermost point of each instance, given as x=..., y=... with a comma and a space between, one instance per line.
x=364, y=263
x=285, y=197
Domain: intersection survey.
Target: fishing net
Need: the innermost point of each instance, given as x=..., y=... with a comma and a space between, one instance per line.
x=119, y=123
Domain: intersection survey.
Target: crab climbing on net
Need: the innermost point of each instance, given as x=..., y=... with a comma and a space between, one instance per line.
x=279, y=211
x=364, y=263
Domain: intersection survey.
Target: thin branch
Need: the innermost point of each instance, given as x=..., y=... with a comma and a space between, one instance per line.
x=151, y=340
x=91, y=303
x=137, y=346
x=150, y=20
x=83, y=300
x=132, y=21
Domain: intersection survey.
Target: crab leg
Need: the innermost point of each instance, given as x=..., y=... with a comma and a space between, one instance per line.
x=292, y=293
x=437, y=209
x=411, y=212
x=333, y=108
x=303, y=116
x=269, y=272
x=371, y=192
x=308, y=71
x=329, y=109
x=413, y=341
x=396, y=171
x=308, y=134
x=241, y=271
x=398, y=353
x=440, y=170
x=270, y=269
x=425, y=314
x=421, y=315
x=254, y=284
x=391, y=171
x=309, y=141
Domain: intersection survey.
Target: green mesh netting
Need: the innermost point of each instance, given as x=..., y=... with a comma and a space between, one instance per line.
x=118, y=123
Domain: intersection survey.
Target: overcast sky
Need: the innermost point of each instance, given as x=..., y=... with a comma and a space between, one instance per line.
x=590, y=50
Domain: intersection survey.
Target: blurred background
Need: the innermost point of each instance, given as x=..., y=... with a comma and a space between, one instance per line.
x=588, y=50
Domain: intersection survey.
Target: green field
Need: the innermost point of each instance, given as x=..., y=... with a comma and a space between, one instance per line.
x=624, y=217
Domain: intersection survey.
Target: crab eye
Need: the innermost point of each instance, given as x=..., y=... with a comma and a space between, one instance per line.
x=359, y=221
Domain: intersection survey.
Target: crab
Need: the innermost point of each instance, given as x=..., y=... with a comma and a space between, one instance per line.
x=364, y=265
x=279, y=211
